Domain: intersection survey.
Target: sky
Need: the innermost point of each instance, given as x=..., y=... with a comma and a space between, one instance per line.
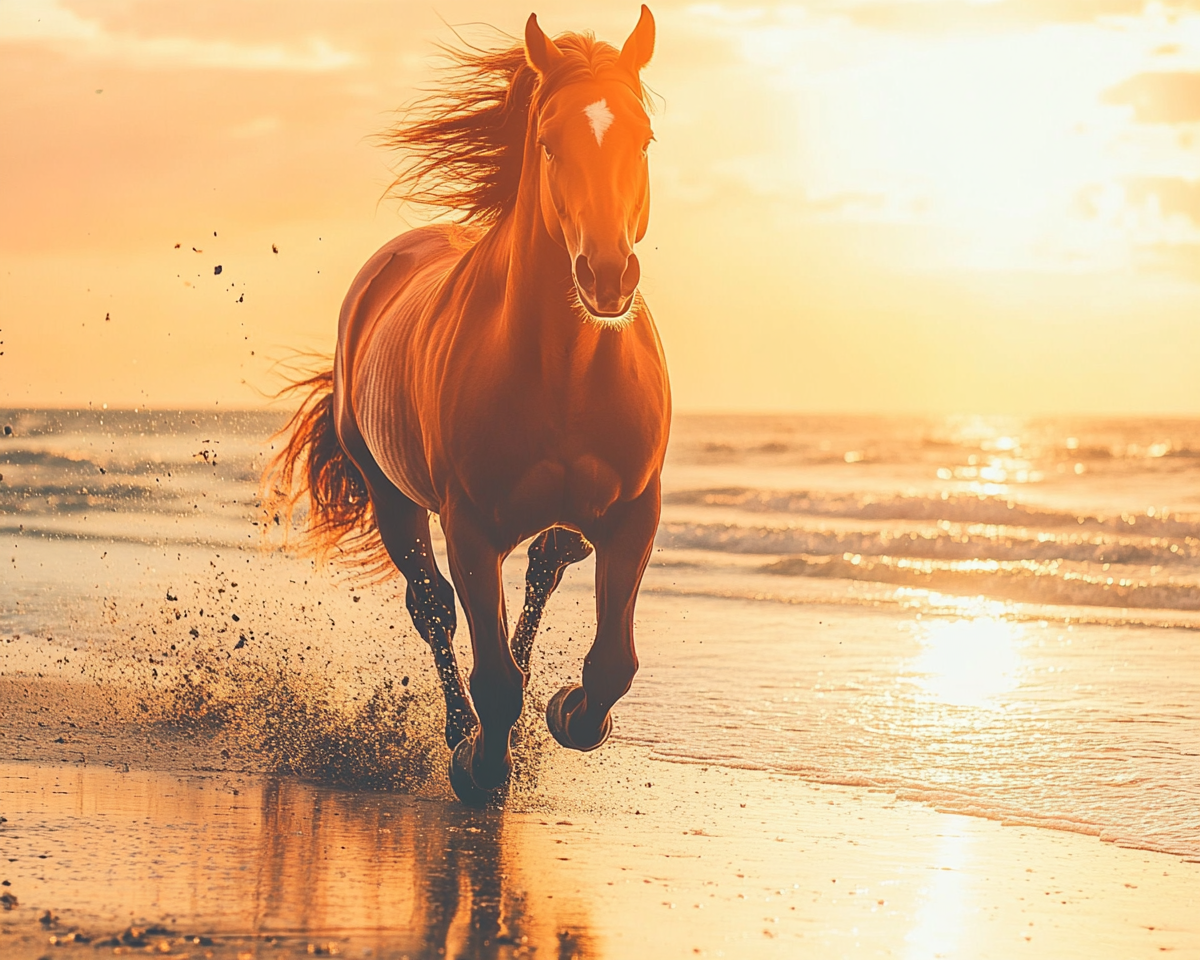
x=884, y=206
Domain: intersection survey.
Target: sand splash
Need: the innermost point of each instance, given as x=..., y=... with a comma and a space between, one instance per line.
x=262, y=663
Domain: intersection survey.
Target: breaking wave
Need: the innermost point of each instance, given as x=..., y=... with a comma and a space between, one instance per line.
x=952, y=508
x=1022, y=582
x=932, y=546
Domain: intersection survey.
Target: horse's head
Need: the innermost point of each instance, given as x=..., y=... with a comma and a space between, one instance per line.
x=592, y=135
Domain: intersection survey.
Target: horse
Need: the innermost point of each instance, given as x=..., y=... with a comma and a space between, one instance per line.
x=504, y=372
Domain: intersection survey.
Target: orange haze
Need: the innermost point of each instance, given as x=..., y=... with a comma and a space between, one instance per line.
x=858, y=205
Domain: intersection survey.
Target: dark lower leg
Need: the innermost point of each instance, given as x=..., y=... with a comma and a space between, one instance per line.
x=430, y=602
x=550, y=554
x=611, y=663
x=497, y=683
x=404, y=528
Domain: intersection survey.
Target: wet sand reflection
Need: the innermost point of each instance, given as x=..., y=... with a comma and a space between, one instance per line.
x=249, y=868
x=453, y=879
x=274, y=858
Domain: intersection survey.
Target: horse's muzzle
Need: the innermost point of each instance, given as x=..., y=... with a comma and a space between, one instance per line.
x=606, y=286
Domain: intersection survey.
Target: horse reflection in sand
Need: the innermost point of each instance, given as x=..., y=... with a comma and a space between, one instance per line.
x=418, y=879
x=505, y=374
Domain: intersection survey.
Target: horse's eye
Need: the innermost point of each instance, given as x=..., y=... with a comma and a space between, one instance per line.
x=546, y=151
x=646, y=146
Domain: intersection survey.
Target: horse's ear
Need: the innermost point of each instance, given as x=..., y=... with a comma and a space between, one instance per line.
x=540, y=51
x=639, y=48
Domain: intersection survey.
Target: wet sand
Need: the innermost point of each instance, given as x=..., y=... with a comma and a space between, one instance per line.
x=143, y=839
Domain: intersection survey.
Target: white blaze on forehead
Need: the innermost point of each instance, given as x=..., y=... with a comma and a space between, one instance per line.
x=600, y=117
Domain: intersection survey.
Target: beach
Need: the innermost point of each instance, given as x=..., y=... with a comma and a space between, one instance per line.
x=705, y=862
x=908, y=688
x=693, y=860
x=914, y=285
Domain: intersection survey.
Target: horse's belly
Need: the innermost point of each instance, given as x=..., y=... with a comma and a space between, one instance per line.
x=383, y=348
x=391, y=427
x=402, y=461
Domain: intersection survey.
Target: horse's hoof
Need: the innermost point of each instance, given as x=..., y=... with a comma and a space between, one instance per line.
x=559, y=709
x=462, y=781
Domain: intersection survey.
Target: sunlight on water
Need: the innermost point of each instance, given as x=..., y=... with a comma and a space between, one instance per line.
x=968, y=662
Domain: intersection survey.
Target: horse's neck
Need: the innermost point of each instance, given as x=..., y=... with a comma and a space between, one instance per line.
x=539, y=318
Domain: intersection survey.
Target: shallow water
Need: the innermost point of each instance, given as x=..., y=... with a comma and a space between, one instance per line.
x=994, y=617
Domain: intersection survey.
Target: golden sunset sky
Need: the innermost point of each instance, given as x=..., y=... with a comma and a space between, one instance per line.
x=858, y=205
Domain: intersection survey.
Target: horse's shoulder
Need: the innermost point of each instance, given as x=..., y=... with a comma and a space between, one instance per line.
x=433, y=240
x=412, y=258
x=403, y=258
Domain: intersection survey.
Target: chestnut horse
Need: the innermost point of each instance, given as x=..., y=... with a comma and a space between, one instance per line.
x=506, y=375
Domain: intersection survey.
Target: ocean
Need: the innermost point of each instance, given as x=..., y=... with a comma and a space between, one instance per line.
x=995, y=617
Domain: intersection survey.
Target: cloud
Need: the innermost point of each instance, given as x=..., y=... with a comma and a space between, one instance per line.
x=49, y=24
x=951, y=16
x=1152, y=222
x=1173, y=195
x=1159, y=97
x=1177, y=259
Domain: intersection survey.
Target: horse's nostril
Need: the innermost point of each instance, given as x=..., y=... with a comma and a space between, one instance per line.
x=632, y=276
x=583, y=273
x=607, y=282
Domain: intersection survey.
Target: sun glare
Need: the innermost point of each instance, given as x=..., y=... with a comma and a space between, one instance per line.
x=968, y=662
x=942, y=917
x=1003, y=141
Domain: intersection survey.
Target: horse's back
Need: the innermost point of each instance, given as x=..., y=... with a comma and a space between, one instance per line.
x=388, y=292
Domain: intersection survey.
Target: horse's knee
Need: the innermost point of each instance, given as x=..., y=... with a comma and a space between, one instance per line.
x=431, y=605
x=443, y=603
x=540, y=547
x=556, y=548
x=445, y=594
x=568, y=546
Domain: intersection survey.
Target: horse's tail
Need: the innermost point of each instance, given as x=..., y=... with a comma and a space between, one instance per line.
x=313, y=467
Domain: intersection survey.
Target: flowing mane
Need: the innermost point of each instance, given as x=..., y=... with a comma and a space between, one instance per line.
x=464, y=145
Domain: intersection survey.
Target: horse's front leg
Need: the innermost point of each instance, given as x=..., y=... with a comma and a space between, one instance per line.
x=550, y=553
x=482, y=762
x=579, y=716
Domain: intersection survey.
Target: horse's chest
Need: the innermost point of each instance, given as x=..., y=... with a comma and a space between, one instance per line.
x=576, y=490
x=536, y=466
x=525, y=484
